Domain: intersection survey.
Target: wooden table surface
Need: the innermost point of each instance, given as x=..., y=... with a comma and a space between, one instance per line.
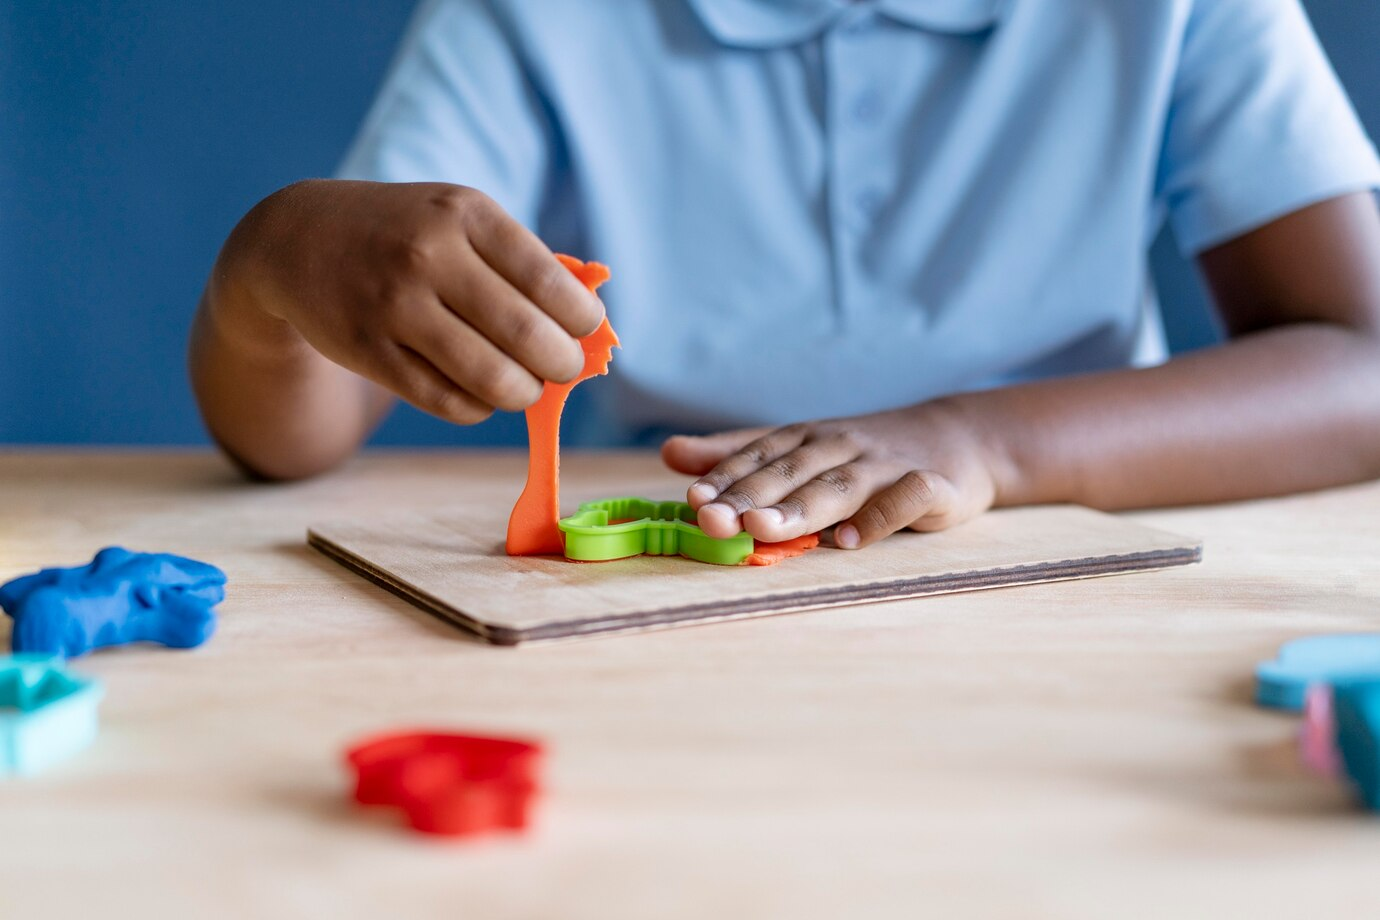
x=1074, y=750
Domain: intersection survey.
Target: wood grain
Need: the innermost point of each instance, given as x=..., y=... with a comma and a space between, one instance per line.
x=453, y=564
x=1071, y=751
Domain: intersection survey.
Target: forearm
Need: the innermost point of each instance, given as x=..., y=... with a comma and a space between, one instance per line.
x=274, y=404
x=1293, y=408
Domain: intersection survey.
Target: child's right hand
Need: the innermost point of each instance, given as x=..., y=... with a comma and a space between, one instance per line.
x=430, y=290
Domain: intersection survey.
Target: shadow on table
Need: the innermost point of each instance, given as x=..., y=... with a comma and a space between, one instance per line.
x=1261, y=779
x=334, y=807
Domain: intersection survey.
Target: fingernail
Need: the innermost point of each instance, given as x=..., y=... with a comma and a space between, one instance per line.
x=717, y=509
x=773, y=515
x=847, y=536
x=703, y=492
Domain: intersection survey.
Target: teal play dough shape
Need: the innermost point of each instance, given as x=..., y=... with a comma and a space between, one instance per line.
x=648, y=527
x=1356, y=708
x=46, y=713
x=1284, y=682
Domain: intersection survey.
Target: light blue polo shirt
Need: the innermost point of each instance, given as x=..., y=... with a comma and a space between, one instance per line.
x=816, y=208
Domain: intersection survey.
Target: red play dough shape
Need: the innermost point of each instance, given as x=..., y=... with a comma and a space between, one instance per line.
x=446, y=784
x=532, y=528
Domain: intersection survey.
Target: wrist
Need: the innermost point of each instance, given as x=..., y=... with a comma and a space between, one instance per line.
x=996, y=443
x=238, y=303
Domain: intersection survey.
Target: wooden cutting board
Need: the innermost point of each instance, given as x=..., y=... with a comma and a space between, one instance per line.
x=453, y=565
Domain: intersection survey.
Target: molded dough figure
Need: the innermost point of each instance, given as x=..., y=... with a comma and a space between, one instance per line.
x=532, y=528
x=118, y=598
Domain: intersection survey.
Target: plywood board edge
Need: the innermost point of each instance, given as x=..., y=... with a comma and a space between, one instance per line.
x=871, y=593
x=768, y=605
x=360, y=566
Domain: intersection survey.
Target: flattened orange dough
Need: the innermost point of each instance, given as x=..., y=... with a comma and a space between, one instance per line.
x=532, y=528
x=772, y=553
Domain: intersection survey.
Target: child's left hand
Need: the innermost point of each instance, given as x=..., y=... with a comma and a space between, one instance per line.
x=927, y=468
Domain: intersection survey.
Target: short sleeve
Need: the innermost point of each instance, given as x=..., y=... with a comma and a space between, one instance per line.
x=1258, y=124
x=458, y=106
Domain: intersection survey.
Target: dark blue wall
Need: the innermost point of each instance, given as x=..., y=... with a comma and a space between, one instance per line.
x=133, y=133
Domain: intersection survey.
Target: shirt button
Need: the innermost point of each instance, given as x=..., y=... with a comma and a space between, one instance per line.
x=867, y=107
x=870, y=202
x=857, y=25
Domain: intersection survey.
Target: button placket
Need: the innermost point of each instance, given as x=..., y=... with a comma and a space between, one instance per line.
x=857, y=106
x=867, y=107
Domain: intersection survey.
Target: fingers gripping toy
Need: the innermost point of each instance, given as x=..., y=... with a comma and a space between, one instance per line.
x=450, y=785
x=614, y=528
x=533, y=527
x=118, y=598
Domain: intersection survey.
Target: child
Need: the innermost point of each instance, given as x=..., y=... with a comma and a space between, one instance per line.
x=923, y=221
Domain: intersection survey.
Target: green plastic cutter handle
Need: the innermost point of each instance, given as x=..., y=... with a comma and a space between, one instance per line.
x=653, y=528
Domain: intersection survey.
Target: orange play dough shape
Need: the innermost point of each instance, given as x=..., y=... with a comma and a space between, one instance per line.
x=532, y=529
x=772, y=553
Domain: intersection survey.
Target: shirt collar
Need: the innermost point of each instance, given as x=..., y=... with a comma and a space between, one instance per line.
x=774, y=23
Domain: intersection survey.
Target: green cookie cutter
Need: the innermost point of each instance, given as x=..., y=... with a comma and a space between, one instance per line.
x=653, y=528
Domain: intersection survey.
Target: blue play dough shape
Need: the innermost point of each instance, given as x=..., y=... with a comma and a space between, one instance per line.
x=1356, y=707
x=118, y=598
x=1283, y=683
